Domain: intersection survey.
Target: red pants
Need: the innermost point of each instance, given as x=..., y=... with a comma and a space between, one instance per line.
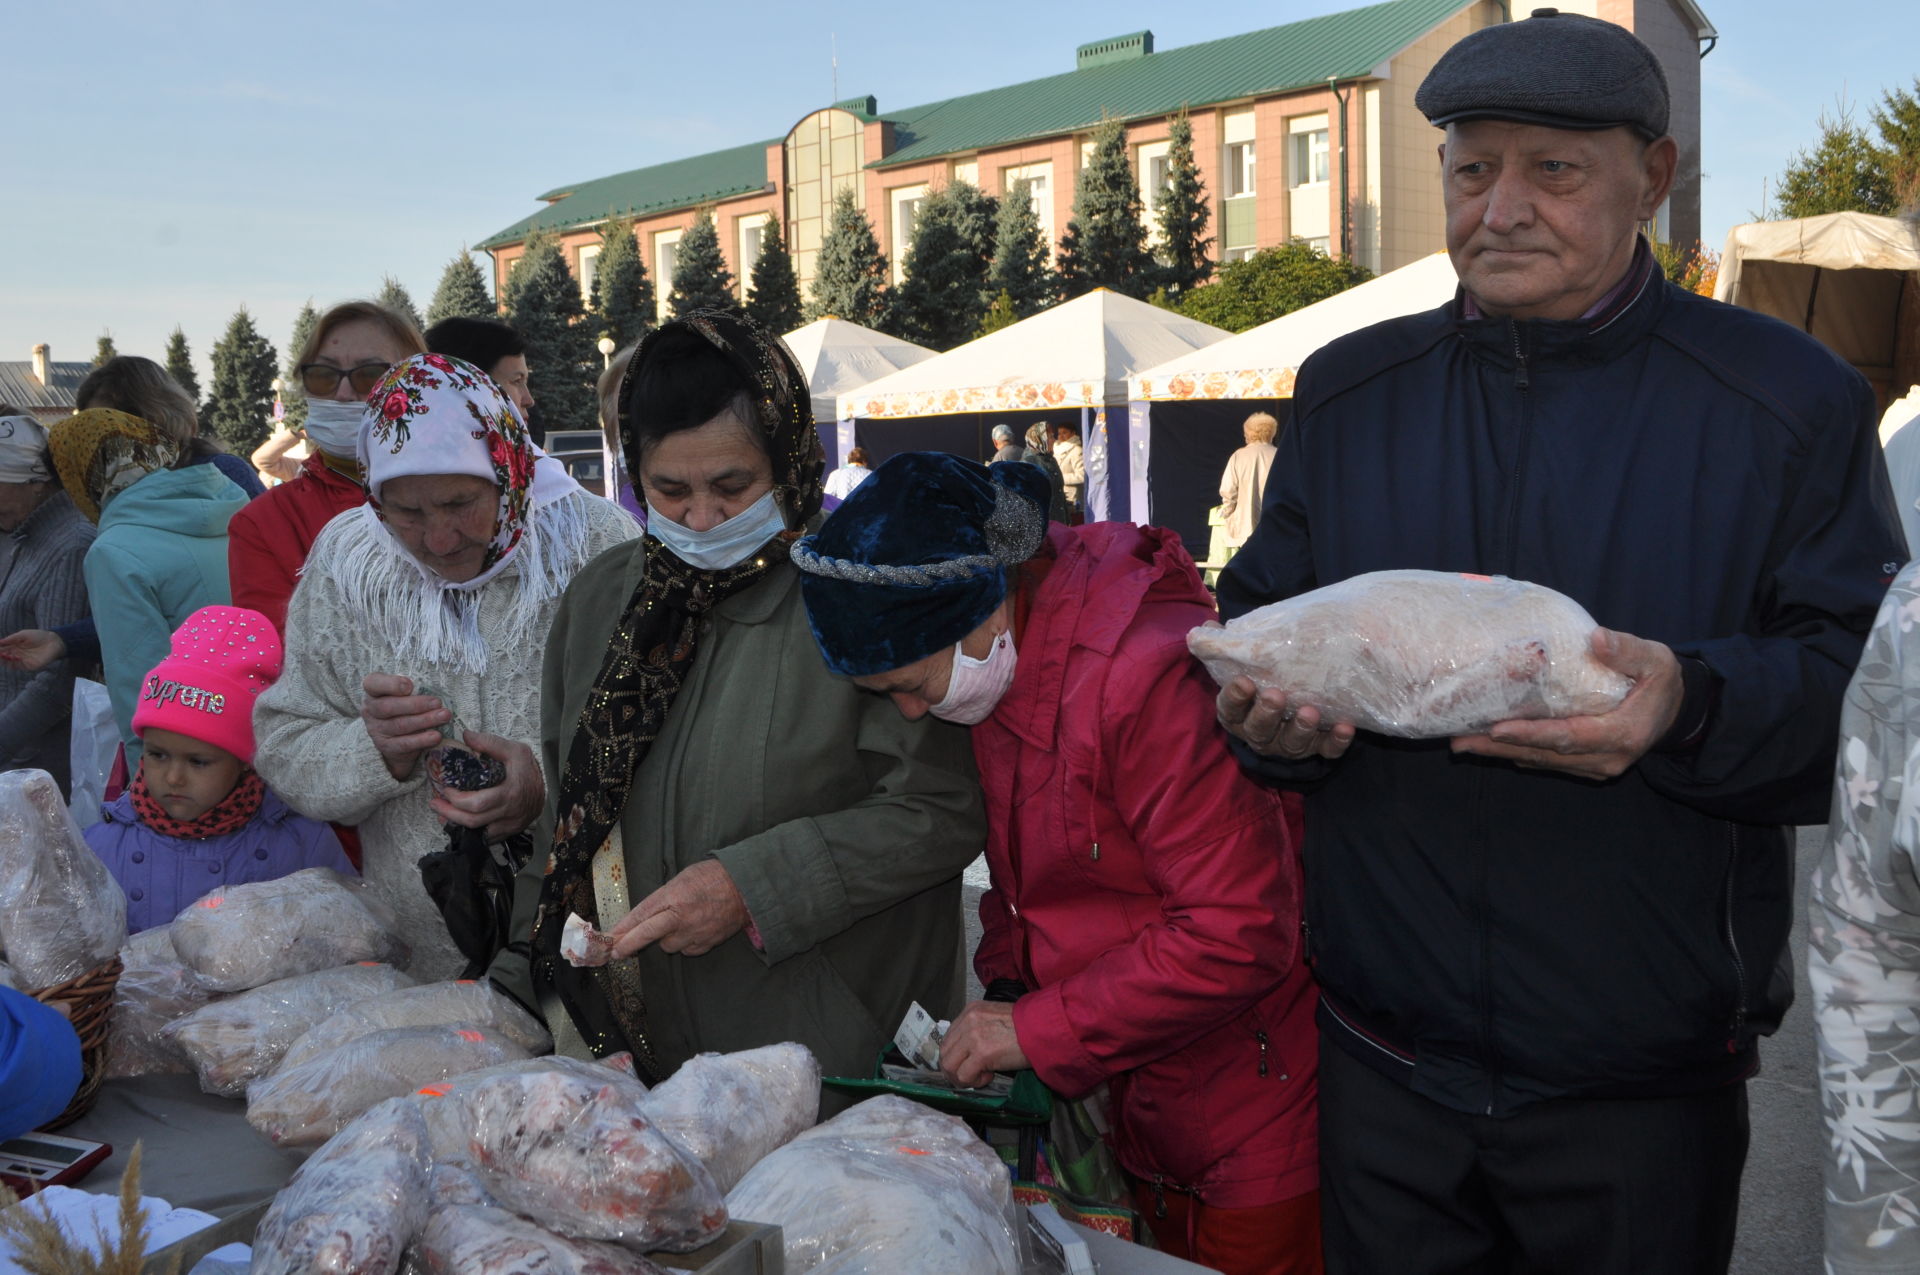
x=1274, y=1239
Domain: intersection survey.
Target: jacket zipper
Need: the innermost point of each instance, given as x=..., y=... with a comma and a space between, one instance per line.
x=1733, y=943
x=1261, y=1036
x=1520, y=379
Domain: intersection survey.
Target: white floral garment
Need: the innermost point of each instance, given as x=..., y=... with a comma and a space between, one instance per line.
x=1864, y=954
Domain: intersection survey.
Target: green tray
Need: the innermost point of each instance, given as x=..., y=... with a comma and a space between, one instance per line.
x=1029, y=1102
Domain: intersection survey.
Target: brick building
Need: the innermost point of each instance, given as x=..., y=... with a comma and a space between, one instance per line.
x=1306, y=131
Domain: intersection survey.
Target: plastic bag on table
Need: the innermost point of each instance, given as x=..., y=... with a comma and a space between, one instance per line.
x=474, y=1003
x=1420, y=654
x=355, y=1205
x=154, y=990
x=473, y=1239
x=307, y=1104
x=61, y=912
x=730, y=1110
x=572, y=1146
x=90, y=750
x=232, y=1041
x=888, y=1185
x=447, y=1126
x=242, y=936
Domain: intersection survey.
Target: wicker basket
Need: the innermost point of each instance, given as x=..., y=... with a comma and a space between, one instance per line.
x=89, y=1000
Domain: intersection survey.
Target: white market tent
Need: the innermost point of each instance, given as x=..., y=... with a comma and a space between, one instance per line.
x=839, y=357
x=1075, y=358
x=1851, y=280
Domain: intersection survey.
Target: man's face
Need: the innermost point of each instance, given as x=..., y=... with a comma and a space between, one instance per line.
x=18, y=500
x=1541, y=221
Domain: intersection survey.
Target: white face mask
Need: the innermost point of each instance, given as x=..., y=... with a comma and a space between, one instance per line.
x=334, y=427
x=975, y=687
x=730, y=543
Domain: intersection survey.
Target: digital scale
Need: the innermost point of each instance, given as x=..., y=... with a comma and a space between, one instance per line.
x=37, y=1160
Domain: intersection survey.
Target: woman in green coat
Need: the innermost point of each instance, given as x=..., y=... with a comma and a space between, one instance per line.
x=775, y=854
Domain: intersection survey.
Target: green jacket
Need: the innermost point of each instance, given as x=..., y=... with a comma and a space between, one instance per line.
x=844, y=826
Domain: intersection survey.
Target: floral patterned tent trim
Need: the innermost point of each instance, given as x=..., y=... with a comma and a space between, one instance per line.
x=1258, y=382
x=1016, y=396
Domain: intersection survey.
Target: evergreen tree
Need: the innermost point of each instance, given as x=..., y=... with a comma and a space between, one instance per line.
x=1844, y=172
x=1182, y=216
x=394, y=296
x=849, y=274
x=1001, y=314
x=1106, y=243
x=1272, y=282
x=462, y=293
x=543, y=305
x=240, y=404
x=180, y=363
x=773, y=290
x=1019, y=272
x=293, y=395
x=104, y=350
x=701, y=280
x=1898, y=120
x=622, y=304
x=942, y=294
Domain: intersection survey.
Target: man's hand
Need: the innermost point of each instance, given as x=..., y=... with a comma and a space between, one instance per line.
x=1605, y=746
x=1275, y=728
x=981, y=1042
x=401, y=724
x=508, y=806
x=31, y=650
x=692, y=914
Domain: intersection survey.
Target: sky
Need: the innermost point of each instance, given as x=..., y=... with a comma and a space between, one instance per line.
x=167, y=164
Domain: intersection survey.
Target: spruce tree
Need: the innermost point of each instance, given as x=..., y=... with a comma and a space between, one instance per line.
x=292, y=393
x=394, y=296
x=773, y=289
x=1898, y=120
x=1844, y=172
x=622, y=303
x=1182, y=216
x=462, y=293
x=701, y=280
x=104, y=350
x=240, y=403
x=180, y=363
x=543, y=305
x=942, y=294
x=1019, y=271
x=1106, y=243
x=849, y=274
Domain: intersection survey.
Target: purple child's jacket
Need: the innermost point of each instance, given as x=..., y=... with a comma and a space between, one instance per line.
x=162, y=875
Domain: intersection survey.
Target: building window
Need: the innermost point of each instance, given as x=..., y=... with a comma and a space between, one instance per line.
x=906, y=203
x=1237, y=254
x=1320, y=245
x=1238, y=207
x=752, y=235
x=588, y=258
x=824, y=152
x=1310, y=159
x=1237, y=171
x=1039, y=180
x=1152, y=166
x=666, y=247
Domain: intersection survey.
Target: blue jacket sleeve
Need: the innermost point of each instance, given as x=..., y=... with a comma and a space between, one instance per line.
x=134, y=632
x=39, y=1063
x=83, y=642
x=239, y=473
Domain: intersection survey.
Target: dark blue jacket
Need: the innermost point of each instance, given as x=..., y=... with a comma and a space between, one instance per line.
x=1689, y=472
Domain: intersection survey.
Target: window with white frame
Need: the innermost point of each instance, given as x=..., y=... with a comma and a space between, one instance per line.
x=751, y=236
x=1152, y=165
x=589, y=257
x=1309, y=153
x=1238, y=208
x=1039, y=180
x=666, y=247
x=1322, y=244
x=905, y=202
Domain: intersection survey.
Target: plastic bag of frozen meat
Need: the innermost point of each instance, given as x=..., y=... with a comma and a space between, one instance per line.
x=1420, y=654
x=471, y=1002
x=154, y=990
x=887, y=1185
x=355, y=1205
x=241, y=936
x=61, y=912
x=730, y=1110
x=469, y=1233
x=578, y=1152
x=232, y=1042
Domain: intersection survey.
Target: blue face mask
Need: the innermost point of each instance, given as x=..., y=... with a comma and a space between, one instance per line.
x=730, y=543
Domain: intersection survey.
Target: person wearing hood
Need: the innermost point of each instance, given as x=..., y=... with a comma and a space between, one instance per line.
x=1142, y=931
x=425, y=607
x=161, y=550
x=351, y=348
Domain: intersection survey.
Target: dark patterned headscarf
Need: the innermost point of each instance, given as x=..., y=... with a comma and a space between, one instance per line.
x=647, y=661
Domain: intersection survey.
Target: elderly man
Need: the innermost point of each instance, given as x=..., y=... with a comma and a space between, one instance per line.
x=1547, y=952
x=1006, y=445
x=41, y=587
x=1243, y=485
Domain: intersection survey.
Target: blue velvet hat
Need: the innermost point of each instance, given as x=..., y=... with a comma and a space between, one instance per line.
x=918, y=557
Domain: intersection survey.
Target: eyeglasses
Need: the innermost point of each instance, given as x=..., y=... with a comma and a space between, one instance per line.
x=322, y=378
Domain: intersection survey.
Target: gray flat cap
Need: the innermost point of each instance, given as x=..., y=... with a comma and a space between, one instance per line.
x=1558, y=69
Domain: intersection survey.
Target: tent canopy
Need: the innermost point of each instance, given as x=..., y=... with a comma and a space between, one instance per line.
x=1850, y=280
x=1075, y=355
x=839, y=356
x=1262, y=362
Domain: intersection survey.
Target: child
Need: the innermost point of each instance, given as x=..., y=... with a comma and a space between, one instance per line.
x=196, y=815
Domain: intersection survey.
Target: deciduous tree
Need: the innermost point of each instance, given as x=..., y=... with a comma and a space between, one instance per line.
x=1270, y=283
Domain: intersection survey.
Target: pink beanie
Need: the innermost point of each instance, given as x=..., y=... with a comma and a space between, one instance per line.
x=222, y=658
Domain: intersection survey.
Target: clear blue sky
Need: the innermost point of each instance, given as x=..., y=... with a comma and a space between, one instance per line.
x=166, y=164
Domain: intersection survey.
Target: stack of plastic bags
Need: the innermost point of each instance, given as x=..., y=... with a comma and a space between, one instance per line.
x=61, y=912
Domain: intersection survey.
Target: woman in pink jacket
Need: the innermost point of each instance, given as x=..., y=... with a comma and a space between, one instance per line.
x=1143, y=927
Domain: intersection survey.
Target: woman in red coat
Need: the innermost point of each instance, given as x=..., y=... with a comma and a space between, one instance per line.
x=1144, y=919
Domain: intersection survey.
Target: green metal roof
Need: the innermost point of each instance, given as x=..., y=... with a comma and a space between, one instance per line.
x=1278, y=59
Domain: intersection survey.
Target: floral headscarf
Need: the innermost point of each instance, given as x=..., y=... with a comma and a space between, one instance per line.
x=433, y=414
x=99, y=453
